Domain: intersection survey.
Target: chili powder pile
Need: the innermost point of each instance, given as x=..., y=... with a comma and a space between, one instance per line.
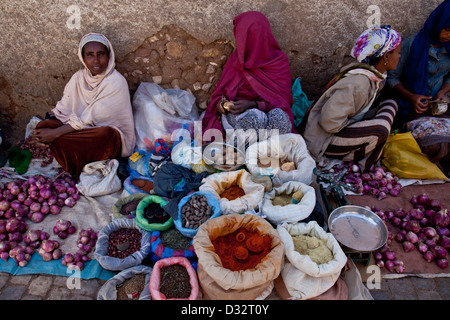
x=231, y=249
x=233, y=193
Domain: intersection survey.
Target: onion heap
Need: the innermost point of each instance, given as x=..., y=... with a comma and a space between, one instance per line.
x=377, y=181
x=87, y=238
x=37, y=152
x=425, y=228
x=33, y=199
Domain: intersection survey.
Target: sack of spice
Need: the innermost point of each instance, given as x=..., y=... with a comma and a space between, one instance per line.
x=126, y=207
x=160, y=219
x=138, y=184
x=220, y=283
x=204, y=211
x=303, y=277
x=278, y=207
x=174, y=279
x=102, y=248
x=218, y=183
x=170, y=243
x=284, y=148
x=127, y=285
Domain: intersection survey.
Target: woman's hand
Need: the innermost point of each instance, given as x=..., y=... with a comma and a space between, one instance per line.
x=419, y=102
x=241, y=106
x=44, y=135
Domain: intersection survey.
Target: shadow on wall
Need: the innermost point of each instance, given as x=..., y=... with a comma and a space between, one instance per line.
x=174, y=59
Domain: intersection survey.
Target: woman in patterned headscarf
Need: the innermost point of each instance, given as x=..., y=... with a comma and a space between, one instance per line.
x=345, y=122
x=93, y=121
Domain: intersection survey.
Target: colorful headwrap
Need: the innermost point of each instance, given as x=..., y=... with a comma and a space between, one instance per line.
x=374, y=42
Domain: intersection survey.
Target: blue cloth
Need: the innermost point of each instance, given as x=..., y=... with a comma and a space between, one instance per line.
x=91, y=270
x=416, y=71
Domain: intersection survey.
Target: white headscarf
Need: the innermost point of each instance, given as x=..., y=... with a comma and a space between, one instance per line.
x=374, y=42
x=97, y=101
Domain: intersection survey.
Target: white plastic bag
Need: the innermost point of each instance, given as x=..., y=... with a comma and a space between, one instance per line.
x=216, y=183
x=160, y=112
x=99, y=178
x=285, y=148
x=305, y=279
x=292, y=212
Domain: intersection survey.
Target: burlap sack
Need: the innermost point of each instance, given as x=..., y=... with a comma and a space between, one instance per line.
x=216, y=183
x=219, y=283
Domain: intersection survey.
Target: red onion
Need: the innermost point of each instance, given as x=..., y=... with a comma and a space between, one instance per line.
x=400, y=237
x=411, y=237
x=49, y=245
x=428, y=256
x=55, y=209
x=439, y=252
x=407, y=246
x=423, y=199
x=5, y=246
x=389, y=265
x=4, y=256
x=430, y=232
x=37, y=217
x=12, y=224
x=389, y=255
x=441, y=218
x=445, y=242
x=442, y=231
x=413, y=225
x=416, y=214
x=422, y=247
x=442, y=263
x=62, y=225
x=4, y=205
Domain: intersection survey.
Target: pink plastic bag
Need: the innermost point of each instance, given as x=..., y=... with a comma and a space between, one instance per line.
x=155, y=278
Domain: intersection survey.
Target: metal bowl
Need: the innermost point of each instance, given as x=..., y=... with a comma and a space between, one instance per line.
x=358, y=228
x=223, y=156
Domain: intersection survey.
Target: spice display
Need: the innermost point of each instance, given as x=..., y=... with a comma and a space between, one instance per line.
x=288, y=166
x=154, y=213
x=314, y=247
x=175, y=282
x=242, y=249
x=131, y=288
x=124, y=242
x=232, y=193
x=173, y=239
x=129, y=207
x=282, y=200
x=195, y=212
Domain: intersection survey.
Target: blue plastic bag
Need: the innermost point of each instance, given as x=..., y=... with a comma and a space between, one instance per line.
x=213, y=202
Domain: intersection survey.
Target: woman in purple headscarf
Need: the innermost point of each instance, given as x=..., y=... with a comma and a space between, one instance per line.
x=422, y=75
x=255, y=88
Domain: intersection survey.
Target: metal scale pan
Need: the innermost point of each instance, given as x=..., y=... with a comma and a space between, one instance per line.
x=357, y=228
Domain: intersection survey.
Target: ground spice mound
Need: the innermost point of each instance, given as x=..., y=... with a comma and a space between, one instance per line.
x=174, y=239
x=174, y=282
x=131, y=288
x=226, y=247
x=314, y=247
x=129, y=207
x=232, y=193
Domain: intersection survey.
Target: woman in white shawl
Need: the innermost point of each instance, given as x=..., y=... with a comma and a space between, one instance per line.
x=93, y=121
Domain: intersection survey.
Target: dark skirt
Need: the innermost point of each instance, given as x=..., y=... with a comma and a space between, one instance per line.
x=76, y=149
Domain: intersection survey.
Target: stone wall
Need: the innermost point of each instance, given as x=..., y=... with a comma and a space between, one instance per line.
x=174, y=43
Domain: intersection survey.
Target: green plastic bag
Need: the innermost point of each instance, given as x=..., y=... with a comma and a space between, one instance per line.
x=143, y=223
x=19, y=159
x=300, y=104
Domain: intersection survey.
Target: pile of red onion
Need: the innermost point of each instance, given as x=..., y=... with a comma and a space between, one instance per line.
x=33, y=199
x=37, y=152
x=425, y=228
x=87, y=238
x=377, y=181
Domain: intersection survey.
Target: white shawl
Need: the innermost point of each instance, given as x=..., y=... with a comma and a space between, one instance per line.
x=98, y=101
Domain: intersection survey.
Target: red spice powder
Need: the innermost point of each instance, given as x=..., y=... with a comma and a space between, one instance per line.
x=233, y=193
x=225, y=246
